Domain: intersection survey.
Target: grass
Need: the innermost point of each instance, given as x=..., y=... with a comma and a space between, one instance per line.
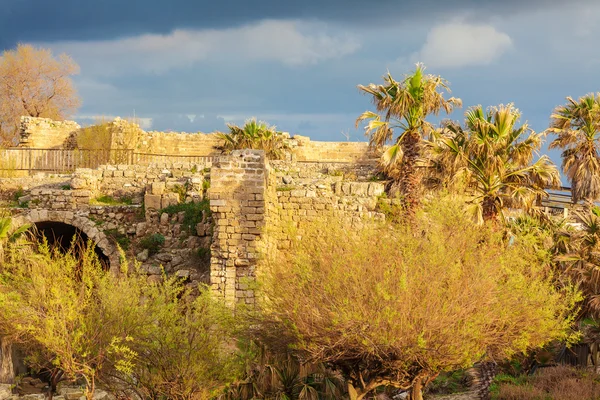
x=554, y=383
x=285, y=188
x=193, y=213
x=107, y=200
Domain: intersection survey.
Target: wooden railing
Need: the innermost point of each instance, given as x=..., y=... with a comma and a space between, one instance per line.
x=67, y=160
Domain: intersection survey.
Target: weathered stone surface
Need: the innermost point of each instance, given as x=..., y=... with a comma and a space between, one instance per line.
x=152, y=201
x=142, y=255
x=5, y=391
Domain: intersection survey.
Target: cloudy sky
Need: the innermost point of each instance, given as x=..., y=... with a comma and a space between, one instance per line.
x=191, y=65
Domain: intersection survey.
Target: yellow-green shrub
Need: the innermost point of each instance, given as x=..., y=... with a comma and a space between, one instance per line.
x=151, y=339
x=395, y=305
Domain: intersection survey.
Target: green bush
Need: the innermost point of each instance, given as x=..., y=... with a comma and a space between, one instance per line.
x=152, y=243
x=139, y=340
x=194, y=213
x=121, y=239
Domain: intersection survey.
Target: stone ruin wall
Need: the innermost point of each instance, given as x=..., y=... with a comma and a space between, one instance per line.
x=253, y=200
x=46, y=133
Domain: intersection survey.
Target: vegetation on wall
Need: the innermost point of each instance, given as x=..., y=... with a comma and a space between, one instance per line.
x=254, y=135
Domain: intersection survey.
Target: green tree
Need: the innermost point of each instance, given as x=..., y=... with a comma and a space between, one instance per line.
x=254, y=135
x=494, y=159
x=577, y=126
x=396, y=305
x=404, y=107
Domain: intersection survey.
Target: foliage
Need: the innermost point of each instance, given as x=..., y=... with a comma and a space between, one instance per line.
x=34, y=83
x=254, y=135
x=152, y=242
x=396, y=305
x=119, y=238
x=577, y=126
x=194, y=213
x=449, y=382
x=578, y=259
x=562, y=383
x=153, y=340
x=271, y=376
x=493, y=160
x=95, y=137
x=111, y=201
x=404, y=106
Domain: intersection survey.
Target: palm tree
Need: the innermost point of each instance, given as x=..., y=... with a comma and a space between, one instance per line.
x=494, y=159
x=577, y=126
x=579, y=260
x=404, y=106
x=254, y=135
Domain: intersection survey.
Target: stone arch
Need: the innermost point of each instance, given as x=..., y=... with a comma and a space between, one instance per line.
x=81, y=222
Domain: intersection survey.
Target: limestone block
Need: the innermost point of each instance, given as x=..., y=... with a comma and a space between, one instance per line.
x=158, y=187
x=152, y=201
x=169, y=199
x=164, y=219
x=78, y=183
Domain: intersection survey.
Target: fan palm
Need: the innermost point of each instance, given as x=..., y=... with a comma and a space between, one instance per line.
x=577, y=126
x=404, y=106
x=254, y=135
x=494, y=158
x=580, y=259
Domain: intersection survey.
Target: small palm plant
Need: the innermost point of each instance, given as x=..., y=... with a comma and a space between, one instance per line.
x=7, y=234
x=494, y=158
x=577, y=126
x=254, y=135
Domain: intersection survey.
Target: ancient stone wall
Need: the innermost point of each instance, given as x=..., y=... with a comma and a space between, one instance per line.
x=237, y=203
x=45, y=133
x=253, y=201
x=304, y=149
x=182, y=144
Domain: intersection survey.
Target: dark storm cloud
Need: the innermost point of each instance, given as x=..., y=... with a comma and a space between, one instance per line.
x=52, y=20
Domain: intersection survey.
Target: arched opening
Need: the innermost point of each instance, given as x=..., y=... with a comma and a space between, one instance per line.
x=59, y=234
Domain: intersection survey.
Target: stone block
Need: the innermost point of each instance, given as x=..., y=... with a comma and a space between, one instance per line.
x=152, y=201
x=158, y=187
x=169, y=199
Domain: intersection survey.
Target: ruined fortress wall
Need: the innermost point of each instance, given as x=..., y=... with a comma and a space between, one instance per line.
x=253, y=201
x=45, y=133
x=183, y=144
x=306, y=150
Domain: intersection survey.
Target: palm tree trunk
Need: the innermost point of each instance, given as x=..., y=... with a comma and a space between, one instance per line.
x=409, y=177
x=488, y=206
x=7, y=372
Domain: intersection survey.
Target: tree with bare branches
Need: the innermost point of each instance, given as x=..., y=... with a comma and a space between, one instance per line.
x=34, y=83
